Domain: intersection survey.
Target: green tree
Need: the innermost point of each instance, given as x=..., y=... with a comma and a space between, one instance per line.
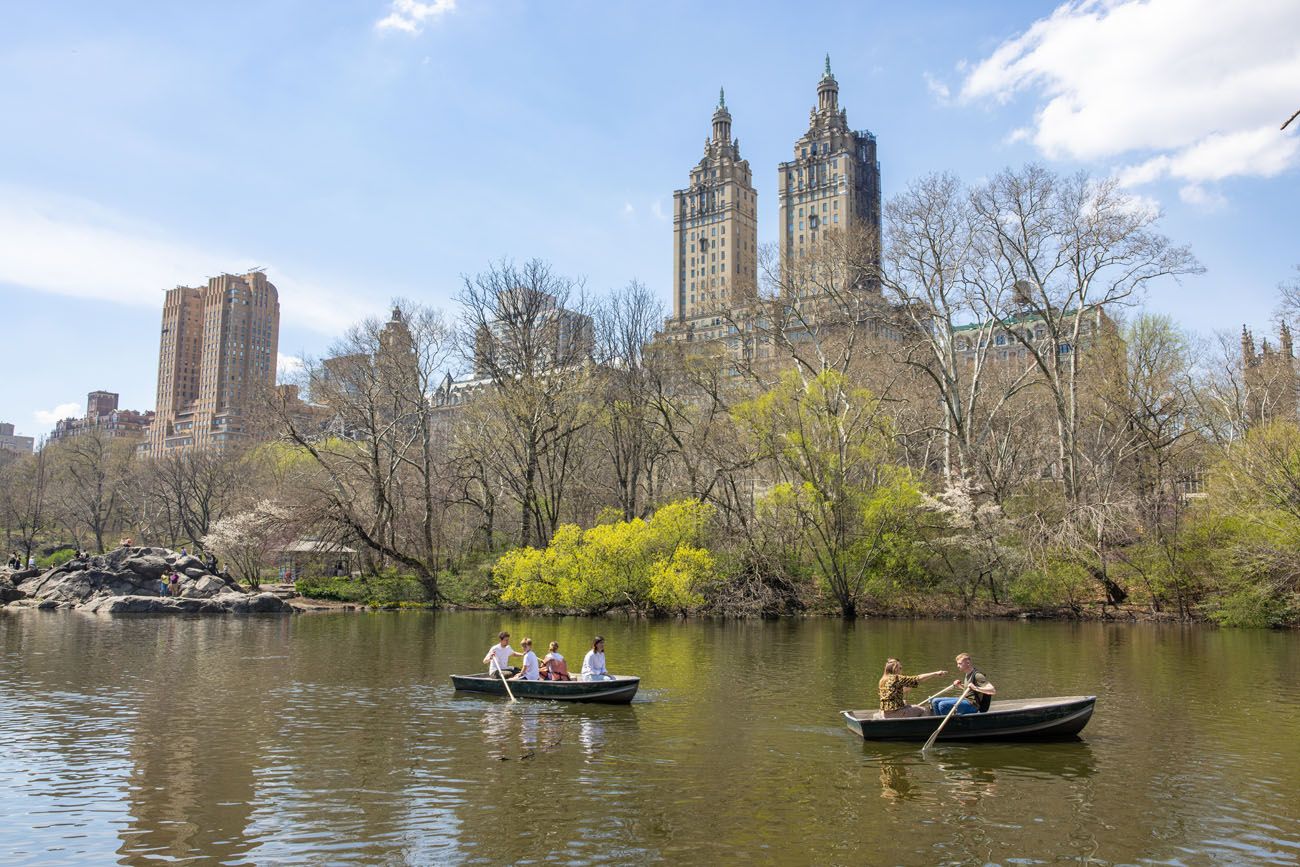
x=829, y=444
x=648, y=566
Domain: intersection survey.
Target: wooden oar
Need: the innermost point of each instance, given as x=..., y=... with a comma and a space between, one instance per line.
x=952, y=711
x=936, y=695
x=504, y=679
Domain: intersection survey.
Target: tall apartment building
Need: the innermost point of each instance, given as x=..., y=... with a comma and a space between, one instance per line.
x=217, y=352
x=103, y=415
x=11, y=443
x=832, y=183
x=715, y=229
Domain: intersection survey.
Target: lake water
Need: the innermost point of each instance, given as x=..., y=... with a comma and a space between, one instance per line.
x=338, y=739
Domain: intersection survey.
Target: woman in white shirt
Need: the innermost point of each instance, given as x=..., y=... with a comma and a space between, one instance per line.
x=502, y=651
x=593, y=664
x=529, y=671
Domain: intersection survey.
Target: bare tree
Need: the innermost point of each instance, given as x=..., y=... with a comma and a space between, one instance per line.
x=931, y=255
x=90, y=472
x=191, y=490
x=381, y=464
x=24, y=493
x=633, y=444
x=1059, y=251
x=528, y=333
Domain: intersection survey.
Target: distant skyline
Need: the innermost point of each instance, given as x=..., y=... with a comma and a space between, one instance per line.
x=362, y=151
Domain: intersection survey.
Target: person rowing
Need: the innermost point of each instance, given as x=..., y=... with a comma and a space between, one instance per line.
x=498, y=656
x=593, y=664
x=980, y=694
x=893, y=687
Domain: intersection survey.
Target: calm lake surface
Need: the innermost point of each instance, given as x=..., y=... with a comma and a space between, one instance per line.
x=338, y=739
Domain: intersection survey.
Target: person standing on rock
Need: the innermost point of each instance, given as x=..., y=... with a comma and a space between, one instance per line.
x=176, y=584
x=162, y=587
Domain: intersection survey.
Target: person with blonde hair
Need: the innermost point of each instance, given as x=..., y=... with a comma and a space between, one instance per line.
x=530, y=665
x=978, y=694
x=553, y=665
x=893, y=687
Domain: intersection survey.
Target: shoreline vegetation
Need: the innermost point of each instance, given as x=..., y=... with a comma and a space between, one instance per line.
x=965, y=413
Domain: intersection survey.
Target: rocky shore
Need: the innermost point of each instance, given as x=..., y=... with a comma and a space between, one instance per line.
x=126, y=581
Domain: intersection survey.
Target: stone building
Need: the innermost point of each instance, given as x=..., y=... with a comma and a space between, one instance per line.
x=832, y=183
x=1004, y=342
x=10, y=442
x=102, y=414
x=829, y=196
x=216, y=358
x=1270, y=377
x=715, y=230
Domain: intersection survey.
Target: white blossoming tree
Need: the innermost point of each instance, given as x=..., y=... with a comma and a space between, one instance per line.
x=968, y=541
x=247, y=540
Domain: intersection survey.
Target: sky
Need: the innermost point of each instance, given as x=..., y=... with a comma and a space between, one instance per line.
x=366, y=150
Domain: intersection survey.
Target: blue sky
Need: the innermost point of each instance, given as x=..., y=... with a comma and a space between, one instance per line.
x=371, y=149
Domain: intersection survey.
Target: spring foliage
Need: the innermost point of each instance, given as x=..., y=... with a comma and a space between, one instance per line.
x=654, y=565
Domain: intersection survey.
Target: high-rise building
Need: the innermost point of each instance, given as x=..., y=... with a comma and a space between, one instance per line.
x=833, y=182
x=715, y=229
x=216, y=355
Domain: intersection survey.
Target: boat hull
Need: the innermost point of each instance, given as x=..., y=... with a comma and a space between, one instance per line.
x=1018, y=719
x=620, y=690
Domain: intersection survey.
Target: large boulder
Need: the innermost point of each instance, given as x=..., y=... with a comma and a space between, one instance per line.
x=129, y=581
x=9, y=592
x=225, y=603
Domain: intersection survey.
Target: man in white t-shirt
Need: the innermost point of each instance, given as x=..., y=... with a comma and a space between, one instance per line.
x=530, y=670
x=498, y=655
x=593, y=664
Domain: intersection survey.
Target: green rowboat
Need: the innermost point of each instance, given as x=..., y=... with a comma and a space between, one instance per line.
x=617, y=691
x=1016, y=719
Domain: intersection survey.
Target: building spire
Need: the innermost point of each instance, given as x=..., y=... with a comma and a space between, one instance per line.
x=828, y=90
x=722, y=119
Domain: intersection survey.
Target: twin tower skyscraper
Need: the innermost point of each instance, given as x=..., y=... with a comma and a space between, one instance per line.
x=832, y=183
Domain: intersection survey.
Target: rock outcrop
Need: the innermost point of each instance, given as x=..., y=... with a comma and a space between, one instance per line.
x=9, y=590
x=128, y=581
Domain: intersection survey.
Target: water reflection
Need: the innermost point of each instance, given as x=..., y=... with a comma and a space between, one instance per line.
x=339, y=739
x=895, y=781
x=591, y=736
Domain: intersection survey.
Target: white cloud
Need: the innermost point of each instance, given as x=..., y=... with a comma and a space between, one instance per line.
x=937, y=88
x=410, y=16
x=73, y=247
x=657, y=211
x=628, y=210
x=1198, y=196
x=48, y=417
x=1195, y=89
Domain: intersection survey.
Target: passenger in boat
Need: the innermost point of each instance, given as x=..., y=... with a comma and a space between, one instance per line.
x=553, y=665
x=981, y=690
x=893, y=686
x=593, y=664
x=502, y=651
x=530, y=670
